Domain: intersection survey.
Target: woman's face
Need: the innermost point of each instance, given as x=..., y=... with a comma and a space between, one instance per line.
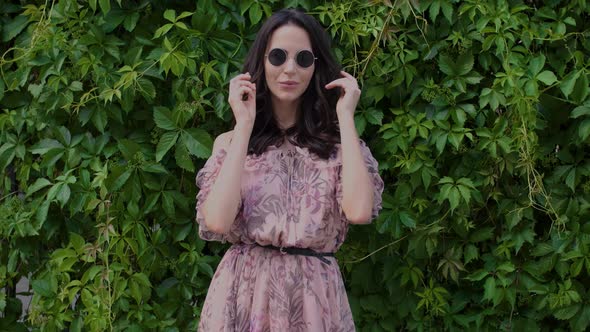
x=288, y=81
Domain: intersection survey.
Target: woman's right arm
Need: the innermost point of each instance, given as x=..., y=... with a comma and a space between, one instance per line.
x=221, y=206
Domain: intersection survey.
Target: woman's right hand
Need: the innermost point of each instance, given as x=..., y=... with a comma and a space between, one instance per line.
x=242, y=99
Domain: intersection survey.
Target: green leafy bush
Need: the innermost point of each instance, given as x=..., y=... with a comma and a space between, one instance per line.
x=478, y=112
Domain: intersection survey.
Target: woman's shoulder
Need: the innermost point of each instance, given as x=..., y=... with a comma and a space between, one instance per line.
x=222, y=141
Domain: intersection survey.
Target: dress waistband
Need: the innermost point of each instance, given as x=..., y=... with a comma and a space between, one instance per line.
x=300, y=251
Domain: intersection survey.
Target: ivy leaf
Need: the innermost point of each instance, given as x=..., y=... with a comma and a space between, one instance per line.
x=255, y=13
x=170, y=15
x=567, y=312
x=536, y=65
x=43, y=287
x=183, y=158
x=470, y=253
x=374, y=116
x=407, y=220
x=198, y=142
x=581, y=89
x=584, y=129
x=582, y=319
x=489, y=289
x=38, y=185
x=579, y=111
x=105, y=6
x=166, y=142
x=568, y=82
x=14, y=27
x=163, y=118
x=547, y=77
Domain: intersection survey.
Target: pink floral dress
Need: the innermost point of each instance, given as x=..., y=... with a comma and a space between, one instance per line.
x=290, y=198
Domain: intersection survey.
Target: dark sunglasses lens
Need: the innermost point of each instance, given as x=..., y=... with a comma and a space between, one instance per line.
x=305, y=58
x=277, y=57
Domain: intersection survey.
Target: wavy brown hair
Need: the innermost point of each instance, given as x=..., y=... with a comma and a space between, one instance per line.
x=317, y=124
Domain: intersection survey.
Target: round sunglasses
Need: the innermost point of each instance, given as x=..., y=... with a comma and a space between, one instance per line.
x=303, y=58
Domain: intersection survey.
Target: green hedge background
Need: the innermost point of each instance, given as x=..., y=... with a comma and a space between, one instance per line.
x=478, y=112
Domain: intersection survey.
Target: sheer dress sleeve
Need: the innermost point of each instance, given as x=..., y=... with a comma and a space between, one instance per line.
x=205, y=179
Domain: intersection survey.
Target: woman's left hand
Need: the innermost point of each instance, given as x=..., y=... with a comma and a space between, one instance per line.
x=349, y=93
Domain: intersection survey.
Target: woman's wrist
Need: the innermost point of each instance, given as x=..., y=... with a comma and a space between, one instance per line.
x=345, y=117
x=244, y=127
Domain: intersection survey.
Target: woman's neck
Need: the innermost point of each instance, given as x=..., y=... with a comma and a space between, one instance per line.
x=285, y=113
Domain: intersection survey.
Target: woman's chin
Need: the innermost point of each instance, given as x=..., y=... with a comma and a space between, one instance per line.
x=289, y=97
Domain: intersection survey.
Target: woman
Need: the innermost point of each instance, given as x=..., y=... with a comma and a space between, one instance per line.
x=283, y=185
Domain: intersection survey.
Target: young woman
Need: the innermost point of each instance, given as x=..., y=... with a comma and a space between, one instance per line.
x=284, y=185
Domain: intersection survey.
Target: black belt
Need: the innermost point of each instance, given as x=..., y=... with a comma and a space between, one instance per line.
x=301, y=251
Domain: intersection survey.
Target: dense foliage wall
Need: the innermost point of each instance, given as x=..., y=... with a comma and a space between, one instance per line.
x=478, y=112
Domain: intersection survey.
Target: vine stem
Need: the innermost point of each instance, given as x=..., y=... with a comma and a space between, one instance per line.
x=375, y=45
x=396, y=241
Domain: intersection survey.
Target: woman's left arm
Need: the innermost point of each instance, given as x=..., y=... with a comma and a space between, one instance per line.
x=357, y=185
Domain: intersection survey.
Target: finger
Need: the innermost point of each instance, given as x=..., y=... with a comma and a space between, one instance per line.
x=241, y=84
x=241, y=77
x=245, y=91
x=336, y=83
x=345, y=74
x=245, y=83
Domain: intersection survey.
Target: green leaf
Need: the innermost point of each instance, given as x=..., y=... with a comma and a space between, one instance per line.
x=14, y=27
x=374, y=116
x=198, y=142
x=166, y=142
x=536, y=65
x=142, y=279
x=7, y=154
x=45, y=145
x=2, y=87
x=35, y=89
x=407, y=220
x=118, y=178
x=582, y=319
x=482, y=234
x=454, y=197
x=464, y=63
x=183, y=15
x=2, y=301
x=571, y=177
x=183, y=158
x=255, y=13
x=547, y=77
x=105, y=6
x=38, y=185
x=446, y=65
x=163, y=118
x=568, y=82
x=41, y=213
x=182, y=233
x=470, y=253
x=566, y=313
x=43, y=287
x=579, y=111
x=170, y=15
x=489, y=289
x=584, y=129
x=146, y=88
x=581, y=89
x=130, y=22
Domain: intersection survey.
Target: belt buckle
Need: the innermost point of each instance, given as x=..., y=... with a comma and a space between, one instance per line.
x=282, y=250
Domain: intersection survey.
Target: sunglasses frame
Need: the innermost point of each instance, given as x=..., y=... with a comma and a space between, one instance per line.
x=287, y=57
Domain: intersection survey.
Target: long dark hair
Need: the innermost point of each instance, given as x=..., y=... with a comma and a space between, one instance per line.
x=317, y=124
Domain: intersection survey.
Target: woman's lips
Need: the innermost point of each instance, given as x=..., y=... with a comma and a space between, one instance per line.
x=288, y=84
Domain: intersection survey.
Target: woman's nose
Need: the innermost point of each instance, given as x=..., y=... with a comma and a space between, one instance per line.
x=290, y=65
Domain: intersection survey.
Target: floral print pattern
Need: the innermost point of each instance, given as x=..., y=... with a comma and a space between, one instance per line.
x=290, y=198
